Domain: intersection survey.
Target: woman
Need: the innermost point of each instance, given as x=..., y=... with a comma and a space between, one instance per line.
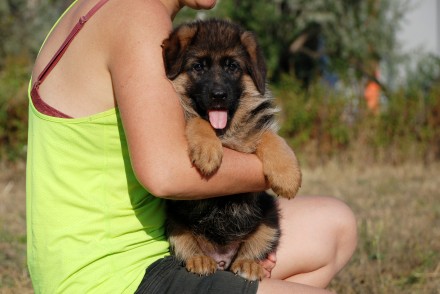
x=106, y=133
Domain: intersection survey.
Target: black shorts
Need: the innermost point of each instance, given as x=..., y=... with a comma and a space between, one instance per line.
x=168, y=275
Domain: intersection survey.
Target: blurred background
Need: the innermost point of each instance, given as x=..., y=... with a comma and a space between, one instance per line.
x=358, y=82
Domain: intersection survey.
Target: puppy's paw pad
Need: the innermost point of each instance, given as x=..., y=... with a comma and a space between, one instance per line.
x=248, y=269
x=201, y=265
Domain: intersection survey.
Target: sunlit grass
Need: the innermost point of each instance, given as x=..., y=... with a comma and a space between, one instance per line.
x=397, y=208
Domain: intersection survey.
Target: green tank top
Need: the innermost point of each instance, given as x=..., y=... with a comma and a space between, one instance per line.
x=91, y=226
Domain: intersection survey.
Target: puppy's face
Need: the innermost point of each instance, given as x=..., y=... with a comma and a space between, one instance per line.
x=208, y=60
x=215, y=85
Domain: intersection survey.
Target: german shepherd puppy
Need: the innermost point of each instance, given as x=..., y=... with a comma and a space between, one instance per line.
x=220, y=74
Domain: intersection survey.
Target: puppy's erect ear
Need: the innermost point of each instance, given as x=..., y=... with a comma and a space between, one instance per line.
x=257, y=65
x=174, y=48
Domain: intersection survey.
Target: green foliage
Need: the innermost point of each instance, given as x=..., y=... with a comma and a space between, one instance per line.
x=314, y=120
x=322, y=124
x=305, y=37
x=319, y=123
x=13, y=108
x=23, y=25
x=425, y=73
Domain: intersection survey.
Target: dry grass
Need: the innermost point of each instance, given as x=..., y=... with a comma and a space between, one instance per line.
x=398, y=211
x=13, y=273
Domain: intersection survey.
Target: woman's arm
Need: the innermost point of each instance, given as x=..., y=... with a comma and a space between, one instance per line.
x=153, y=118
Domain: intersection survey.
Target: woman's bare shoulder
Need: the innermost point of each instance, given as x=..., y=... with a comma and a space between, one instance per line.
x=136, y=33
x=140, y=18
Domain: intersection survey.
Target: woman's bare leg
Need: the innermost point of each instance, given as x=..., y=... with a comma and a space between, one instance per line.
x=318, y=238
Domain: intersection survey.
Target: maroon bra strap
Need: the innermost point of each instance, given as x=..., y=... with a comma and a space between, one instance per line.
x=39, y=103
x=67, y=42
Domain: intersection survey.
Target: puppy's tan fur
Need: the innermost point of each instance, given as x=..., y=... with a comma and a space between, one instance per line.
x=251, y=129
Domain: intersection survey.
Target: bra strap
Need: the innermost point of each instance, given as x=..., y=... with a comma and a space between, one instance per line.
x=79, y=25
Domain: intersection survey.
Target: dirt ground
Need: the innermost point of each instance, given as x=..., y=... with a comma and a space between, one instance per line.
x=398, y=212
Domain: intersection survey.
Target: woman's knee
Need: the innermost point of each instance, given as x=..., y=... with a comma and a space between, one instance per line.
x=322, y=232
x=341, y=221
x=346, y=233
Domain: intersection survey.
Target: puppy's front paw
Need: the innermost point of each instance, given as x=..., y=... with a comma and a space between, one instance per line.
x=248, y=269
x=201, y=265
x=284, y=179
x=206, y=156
x=280, y=165
x=204, y=147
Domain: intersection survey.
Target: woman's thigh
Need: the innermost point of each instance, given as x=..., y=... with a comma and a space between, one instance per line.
x=318, y=238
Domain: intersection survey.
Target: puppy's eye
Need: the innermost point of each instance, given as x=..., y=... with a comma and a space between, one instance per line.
x=232, y=66
x=197, y=67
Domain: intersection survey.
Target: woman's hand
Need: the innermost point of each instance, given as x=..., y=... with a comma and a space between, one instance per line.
x=269, y=263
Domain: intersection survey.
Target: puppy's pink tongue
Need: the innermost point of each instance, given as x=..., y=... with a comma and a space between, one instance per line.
x=218, y=118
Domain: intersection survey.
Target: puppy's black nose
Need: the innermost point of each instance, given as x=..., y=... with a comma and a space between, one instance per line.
x=218, y=95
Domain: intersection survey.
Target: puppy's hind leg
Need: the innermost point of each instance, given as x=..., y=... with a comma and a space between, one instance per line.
x=262, y=242
x=186, y=248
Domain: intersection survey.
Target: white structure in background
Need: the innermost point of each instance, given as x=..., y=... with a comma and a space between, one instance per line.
x=420, y=31
x=418, y=36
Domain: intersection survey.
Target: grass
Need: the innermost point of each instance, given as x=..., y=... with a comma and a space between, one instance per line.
x=13, y=273
x=398, y=211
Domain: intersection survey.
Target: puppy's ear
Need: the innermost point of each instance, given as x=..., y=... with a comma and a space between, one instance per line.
x=256, y=65
x=174, y=48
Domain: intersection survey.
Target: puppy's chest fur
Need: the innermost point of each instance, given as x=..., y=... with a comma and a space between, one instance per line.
x=258, y=112
x=255, y=115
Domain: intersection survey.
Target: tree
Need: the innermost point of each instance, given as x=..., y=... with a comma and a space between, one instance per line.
x=306, y=37
x=23, y=25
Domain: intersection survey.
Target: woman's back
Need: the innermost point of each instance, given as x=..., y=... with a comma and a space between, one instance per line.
x=92, y=227
x=67, y=87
